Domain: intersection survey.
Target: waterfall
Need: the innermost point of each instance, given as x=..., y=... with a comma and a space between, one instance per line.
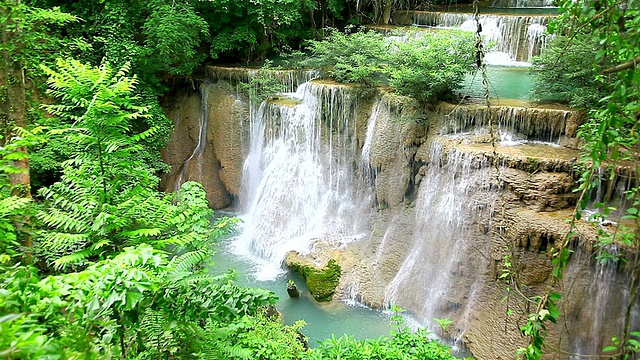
x=291, y=79
x=603, y=293
x=195, y=159
x=299, y=182
x=522, y=3
x=520, y=37
x=532, y=123
x=439, y=276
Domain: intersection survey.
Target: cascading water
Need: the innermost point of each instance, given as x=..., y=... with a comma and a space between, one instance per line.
x=518, y=37
x=522, y=3
x=603, y=295
x=535, y=124
x=299, y=184
x=195, y=159
x=438, y=277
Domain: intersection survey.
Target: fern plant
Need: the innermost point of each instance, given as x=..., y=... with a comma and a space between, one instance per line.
x=106, y=199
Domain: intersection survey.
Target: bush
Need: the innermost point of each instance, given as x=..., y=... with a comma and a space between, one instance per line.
x=425, y=67
x=566, y=72
x=431, y=66
x=356, y=57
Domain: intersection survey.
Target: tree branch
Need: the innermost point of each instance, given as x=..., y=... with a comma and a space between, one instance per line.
x=624, y=66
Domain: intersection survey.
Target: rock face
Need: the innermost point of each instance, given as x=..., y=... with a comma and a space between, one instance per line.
x=206, y=144
x=449, y=207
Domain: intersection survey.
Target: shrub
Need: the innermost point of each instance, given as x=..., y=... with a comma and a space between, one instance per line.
x=425, y=67
x=565, y=72
x=356, y=57
x=430, y=66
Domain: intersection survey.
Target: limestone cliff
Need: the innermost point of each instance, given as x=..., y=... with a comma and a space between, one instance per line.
x=206, y=144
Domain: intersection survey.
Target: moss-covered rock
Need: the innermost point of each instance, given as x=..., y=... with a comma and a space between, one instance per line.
x=321, y=280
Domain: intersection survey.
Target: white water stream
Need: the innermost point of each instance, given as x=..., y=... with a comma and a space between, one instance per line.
x=299, y=185
x=454, y=192
x=512, y=40
x=195, y=159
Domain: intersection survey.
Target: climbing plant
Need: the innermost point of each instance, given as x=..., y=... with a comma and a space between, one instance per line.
x=611, y=143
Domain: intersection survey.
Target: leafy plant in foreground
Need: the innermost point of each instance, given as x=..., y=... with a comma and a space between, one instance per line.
x=106, y=199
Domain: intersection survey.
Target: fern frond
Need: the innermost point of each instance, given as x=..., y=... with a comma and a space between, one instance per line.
x=189, y=260
x=76, y=258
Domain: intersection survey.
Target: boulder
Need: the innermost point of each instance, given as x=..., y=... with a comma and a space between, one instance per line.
x=321, y=280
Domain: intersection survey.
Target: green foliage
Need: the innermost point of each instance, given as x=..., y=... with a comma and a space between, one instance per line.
x=13, y=209
x=264, y=337
x=140, y=301
x=401, y=344
x=106, y=198
x=443, y=323
x=251, y=29
x=430, y=66
x=426, y=67
x=263, y=84
x=566, y=71
x=352, y=57
x=173, y=33
x=37, y=34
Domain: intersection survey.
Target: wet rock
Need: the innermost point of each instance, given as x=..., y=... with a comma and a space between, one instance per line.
x=217, y=165
x=292, y=289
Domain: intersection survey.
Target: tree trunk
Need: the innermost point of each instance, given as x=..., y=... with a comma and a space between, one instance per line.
x=386, y=13
x=13, y=108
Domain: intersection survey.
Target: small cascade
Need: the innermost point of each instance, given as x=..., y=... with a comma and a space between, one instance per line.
x=530, y=123
x=191, y=169
x=439, y=277
x=603, y=294
x=291, y=79
x=520, y=37
x=522, y=3
x=300, y=184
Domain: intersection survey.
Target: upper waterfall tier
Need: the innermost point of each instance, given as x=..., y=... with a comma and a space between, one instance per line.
x=291, y=79
x=520, y=36
x=522, y=3
x=299, y=185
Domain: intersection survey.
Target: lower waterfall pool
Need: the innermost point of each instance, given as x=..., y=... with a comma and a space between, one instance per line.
x=322, y=319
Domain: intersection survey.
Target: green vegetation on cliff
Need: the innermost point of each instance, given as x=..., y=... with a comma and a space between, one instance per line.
x=424, y=66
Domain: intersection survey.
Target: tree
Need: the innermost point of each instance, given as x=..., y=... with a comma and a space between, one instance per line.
x=106, y=199
x=12, y=89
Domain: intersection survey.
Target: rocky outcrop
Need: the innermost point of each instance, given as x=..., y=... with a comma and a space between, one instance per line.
x=546, y=124
x=321, y=280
